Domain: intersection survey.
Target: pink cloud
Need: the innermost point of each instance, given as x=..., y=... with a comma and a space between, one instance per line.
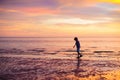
x=38, y=11
x=77, y=3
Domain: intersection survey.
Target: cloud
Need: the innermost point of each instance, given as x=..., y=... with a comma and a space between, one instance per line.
x=38, y=11
x=12, y=15
x=28, y=3
x=108, y=6
x=60, y=7
x=86, y=11
x=80, y=11
x=74, y=21
x=52, y=3
x=115, y=14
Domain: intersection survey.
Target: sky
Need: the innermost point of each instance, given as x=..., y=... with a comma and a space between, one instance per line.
x=59, y=18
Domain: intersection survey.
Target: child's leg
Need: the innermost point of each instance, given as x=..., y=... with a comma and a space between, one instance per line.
x=78, y=51
x=79, y=54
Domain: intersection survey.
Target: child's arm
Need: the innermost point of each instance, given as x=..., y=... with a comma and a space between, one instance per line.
x=73, y=46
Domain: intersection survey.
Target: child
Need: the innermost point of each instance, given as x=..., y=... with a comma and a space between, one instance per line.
x=77, y=44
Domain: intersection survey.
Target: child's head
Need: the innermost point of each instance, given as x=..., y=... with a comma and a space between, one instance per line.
x=76, y=39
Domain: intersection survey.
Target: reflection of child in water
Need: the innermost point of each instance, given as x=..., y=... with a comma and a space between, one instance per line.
x=77, y=44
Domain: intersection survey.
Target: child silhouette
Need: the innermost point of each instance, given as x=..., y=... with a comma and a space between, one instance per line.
x=77, y=44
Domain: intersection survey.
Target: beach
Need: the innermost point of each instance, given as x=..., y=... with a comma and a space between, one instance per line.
x=44, y=59
x=59, y=39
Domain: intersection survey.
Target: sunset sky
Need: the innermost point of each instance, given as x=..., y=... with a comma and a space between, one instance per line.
x=59, y=18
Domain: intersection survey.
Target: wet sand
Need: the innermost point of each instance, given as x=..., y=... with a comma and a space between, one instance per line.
x=36, y=65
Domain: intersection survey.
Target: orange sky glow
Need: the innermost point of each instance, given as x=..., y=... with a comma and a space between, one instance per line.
x=59, y=18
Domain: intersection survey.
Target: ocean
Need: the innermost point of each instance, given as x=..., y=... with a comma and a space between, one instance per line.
x=55, y=58
x=57, y=44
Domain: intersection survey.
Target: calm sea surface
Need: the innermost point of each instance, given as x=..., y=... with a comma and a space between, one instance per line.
x=57, y=44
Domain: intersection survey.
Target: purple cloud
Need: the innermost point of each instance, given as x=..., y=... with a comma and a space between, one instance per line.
x=29, y=3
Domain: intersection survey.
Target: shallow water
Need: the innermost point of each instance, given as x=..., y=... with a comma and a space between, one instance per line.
x=34, y=68
x=93, y=48
x=55, y=59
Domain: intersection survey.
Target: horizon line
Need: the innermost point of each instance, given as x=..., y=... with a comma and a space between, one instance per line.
x=66, y=37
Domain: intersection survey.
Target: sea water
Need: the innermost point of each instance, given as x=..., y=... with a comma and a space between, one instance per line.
x=57, y=44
